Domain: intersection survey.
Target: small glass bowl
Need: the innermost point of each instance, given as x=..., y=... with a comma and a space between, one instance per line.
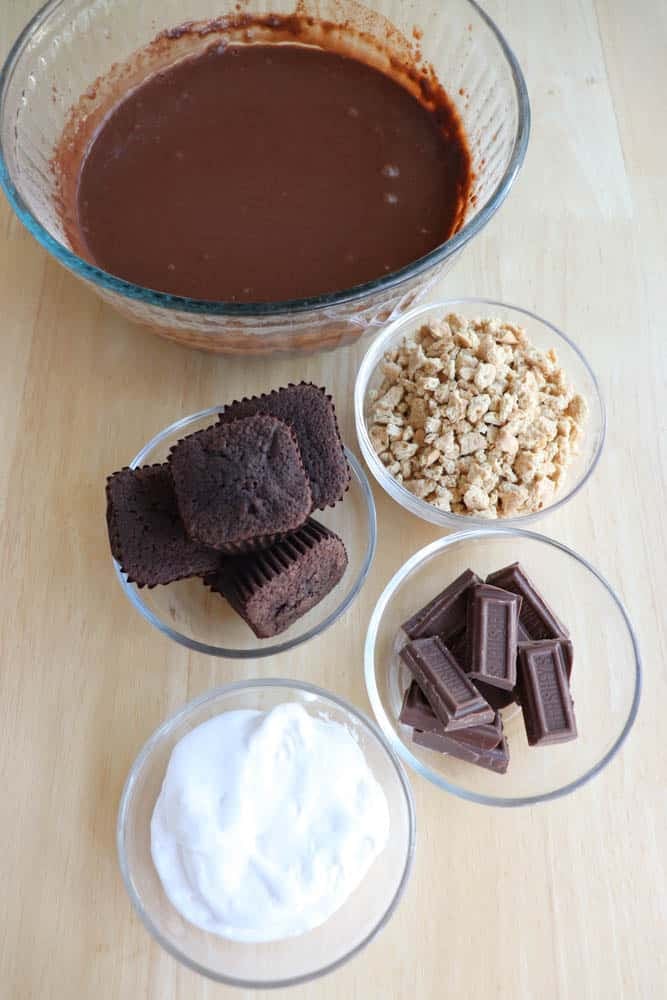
x=296, y=959
x=606, y=677
x=544, y=336
x=192, y=615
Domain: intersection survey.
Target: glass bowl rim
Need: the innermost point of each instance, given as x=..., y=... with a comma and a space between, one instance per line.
x=134, y=594
x=105, y=280
x=397, y=580
x=165, y=727
x=422, y=508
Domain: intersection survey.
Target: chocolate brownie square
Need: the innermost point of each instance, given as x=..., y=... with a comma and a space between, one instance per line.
x=146, y=533
x=240, y=485
x=311, y=414
x=273, y=588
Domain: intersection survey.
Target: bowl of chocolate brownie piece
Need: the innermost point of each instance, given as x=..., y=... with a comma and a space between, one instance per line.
x=244, y=530
x=250, y=179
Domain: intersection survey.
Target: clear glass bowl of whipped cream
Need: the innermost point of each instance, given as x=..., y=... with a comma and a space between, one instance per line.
x=266, y=833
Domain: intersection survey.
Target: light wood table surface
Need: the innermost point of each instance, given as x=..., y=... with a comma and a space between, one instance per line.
x=566, y=900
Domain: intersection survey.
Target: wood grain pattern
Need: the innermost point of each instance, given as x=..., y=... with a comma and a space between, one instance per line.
x=563, y=901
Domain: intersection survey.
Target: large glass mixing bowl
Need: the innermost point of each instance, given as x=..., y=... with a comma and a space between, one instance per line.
x=70, y=44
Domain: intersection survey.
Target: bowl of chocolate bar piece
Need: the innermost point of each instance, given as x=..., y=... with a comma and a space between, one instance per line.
x=502, y=666
x=246, y=529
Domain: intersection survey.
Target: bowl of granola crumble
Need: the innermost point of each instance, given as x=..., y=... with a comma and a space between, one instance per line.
x=470, y=410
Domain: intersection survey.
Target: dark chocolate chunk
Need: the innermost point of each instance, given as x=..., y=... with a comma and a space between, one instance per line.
x=483, y=737
x=240, y=485
x=496, y=759
x=146, y=533
x=548, y=711
x=445, y=615
x=493, y=615
x=521, y=632
x=451, y=694
x=271, y=589
x=536, y=616
x=497, y=698
x=458, y=646
x=417, y=712
x=310, y=413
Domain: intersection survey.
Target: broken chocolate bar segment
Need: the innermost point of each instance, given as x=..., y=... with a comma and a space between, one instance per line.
x=493, y=615
x=445, y=615
x=417, y=712
x=548, y=711
x=495, y=759
x=537, y=618
x=451, y=694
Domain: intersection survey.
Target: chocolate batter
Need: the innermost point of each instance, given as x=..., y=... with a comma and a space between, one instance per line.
x=269, y=172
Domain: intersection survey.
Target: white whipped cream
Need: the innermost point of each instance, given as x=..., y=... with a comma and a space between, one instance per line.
x=266, y=823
